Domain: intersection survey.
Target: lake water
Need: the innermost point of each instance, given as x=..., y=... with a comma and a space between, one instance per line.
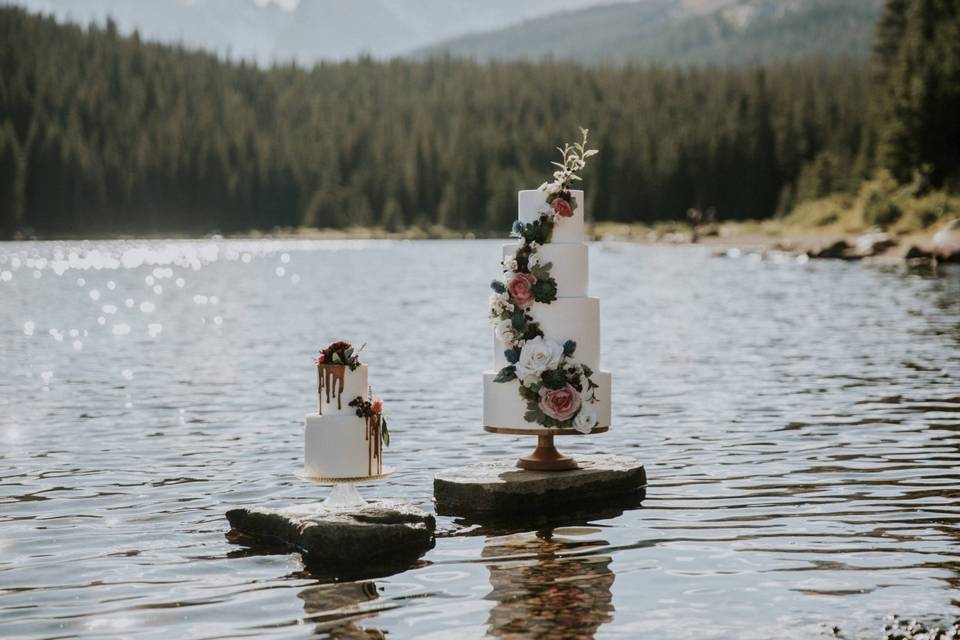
x=800, y=425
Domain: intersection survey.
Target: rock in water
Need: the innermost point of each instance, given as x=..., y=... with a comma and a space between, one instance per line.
x=946, y=242
x=873, y=242
x=501, y=487
x=382, y=531
x=839, y=249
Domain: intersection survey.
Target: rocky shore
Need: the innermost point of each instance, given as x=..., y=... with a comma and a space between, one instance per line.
x=896, y=628
x=940, y=246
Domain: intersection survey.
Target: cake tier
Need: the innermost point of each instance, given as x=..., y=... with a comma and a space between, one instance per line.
x=340, y=446
x=337, y=385
x=570, y=266
x=576, y=319
x=569, y=229
x=503, y=406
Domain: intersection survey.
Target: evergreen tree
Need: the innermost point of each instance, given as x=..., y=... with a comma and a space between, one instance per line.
x=919, y=129
x=101, y=133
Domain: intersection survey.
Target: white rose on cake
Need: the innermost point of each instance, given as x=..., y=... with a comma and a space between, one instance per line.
x=585, y=421
x=536, y=356
x=510, y=264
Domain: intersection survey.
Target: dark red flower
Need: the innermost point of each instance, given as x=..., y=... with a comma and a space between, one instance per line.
x=561, y=207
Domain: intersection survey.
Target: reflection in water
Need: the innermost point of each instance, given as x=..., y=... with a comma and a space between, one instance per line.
x=543, y=589
x=336, y=609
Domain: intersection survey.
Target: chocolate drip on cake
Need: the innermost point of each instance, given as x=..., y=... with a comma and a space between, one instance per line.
x=374, y=445
x=330, y=381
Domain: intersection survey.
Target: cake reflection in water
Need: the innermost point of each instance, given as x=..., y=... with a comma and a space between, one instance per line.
x=546, y=586
x=336, y=609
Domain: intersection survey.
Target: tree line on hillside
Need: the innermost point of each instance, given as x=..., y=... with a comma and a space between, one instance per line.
x=101, y=133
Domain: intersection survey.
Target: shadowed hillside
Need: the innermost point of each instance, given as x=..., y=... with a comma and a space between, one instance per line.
x=663, y=31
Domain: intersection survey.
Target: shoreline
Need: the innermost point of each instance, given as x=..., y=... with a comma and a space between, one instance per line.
x=941, y=243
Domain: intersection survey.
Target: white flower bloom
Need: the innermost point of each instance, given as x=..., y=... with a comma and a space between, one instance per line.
x=553, y=187
x=510, y=264
x=500, y=302
x=505, y=333
x=534, y=245
x=537, y=356
x=585, y=421
x=534, y=260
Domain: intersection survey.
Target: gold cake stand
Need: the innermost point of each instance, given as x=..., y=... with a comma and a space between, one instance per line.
x=344, y=494
x=545, y=457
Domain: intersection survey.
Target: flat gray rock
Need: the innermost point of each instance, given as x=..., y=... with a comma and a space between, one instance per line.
x=381, y=531
x=500, y=487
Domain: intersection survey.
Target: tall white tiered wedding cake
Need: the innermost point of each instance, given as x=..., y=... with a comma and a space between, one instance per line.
x=546, y=328
x=344, y=439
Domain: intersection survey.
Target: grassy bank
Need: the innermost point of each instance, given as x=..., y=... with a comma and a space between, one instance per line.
x=909, y=212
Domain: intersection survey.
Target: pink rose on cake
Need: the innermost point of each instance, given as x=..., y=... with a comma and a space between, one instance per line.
x=559, y=404
x=561, y=207
x=520, y=287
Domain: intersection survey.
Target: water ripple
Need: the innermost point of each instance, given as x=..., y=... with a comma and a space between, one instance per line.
x=800, y=423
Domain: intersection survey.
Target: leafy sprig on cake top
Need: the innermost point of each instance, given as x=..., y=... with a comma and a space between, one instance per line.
x=370, y=409
x=574, y=159
x=340, y=353
x=553, y=384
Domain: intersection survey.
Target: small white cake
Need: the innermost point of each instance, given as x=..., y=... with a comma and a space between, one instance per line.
x=344, y=441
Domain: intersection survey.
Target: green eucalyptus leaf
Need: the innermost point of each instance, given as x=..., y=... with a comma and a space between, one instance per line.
x=506, y=374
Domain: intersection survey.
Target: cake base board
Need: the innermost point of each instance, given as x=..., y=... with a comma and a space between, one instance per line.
x=381, y=531
x=501, y=487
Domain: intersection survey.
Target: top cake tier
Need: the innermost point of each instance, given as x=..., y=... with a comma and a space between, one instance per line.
x=532, y=201
x=337, y=385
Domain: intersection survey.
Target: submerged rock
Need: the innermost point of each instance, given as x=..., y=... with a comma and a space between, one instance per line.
x=381, y=531
x=501, y=487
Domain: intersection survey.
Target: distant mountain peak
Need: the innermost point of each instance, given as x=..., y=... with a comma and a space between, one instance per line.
x=688, y=32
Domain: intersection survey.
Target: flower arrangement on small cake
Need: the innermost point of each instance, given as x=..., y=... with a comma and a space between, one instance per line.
x=551, y=381
x=372, y=410
x=340, y=353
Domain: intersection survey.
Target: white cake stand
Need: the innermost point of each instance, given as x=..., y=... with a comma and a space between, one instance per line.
x=344, y=494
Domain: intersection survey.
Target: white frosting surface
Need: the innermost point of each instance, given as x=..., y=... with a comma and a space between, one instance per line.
x=570, y=266
x=503, y=406
x=336, y=446
x=576, y=319
x=570, y=229
x=354, y=384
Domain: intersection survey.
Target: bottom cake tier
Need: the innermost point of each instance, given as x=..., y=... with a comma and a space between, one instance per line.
x=341, y=446
x=503, y=406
